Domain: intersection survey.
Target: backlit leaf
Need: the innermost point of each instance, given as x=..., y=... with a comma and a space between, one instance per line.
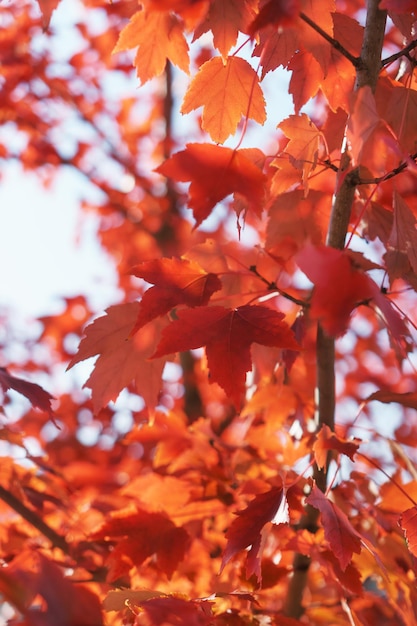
x=227, y=335
x=159, y=37
x=275, y=13
x=177, y=281
x=225, y=18
x=227, y=90
x=403, y=237
x=339, y=532
x=408, y=521
x=246, y=530
x=304, y=143
x=339, y=287
x=139, y=535
x=178, y=611
x=122, y=360
x=327, y=441
x=214, y=173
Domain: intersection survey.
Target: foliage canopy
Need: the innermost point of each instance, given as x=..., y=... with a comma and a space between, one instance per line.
x=262, y=350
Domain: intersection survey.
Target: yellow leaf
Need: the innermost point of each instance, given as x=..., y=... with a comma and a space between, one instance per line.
x=226, y=91
x=159, y=37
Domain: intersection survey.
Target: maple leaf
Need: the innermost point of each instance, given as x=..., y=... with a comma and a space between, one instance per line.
x=177, y=281
x=215, y=172
x=306, y=76
x=320, y=13
x=339, y=532
x=408, y=399
x=121, y=360
x=408, y=522
x=246, y=530
x=275, y=13
x=304, y=142
x=339, y=287
x=138, y=536
x=172, y=610
x=225, y=18
x=159, y=37
x=275, y=49
x=403, y=237
x=227, y=335
x=227, y=90
x=37, y=396
x=63, y=602
x=327, y=440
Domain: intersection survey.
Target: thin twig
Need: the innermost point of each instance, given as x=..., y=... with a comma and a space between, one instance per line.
x=400, y=53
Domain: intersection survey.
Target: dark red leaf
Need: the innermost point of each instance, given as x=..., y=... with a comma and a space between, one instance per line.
x=275, y=13
x=40, y=398
x=246, y=530
x=140, y=535
x=170, y=610
x=339, y=532
x=227, y=335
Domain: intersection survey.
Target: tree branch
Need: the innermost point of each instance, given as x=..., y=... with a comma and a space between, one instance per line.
x=401, y=53
x=367, y=74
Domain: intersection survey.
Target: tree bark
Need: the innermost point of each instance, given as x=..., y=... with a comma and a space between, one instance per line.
x=367, y=73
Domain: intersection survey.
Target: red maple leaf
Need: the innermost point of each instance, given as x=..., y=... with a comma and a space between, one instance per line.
x=408, y=522
x=339, y=287
x=339, y=532
x=139, y=535
x=275, y=13
x=177, y=281
x=214, y=173
x=246, y=530
x=40, y=398
x=227, y=335
x=171, y=610
x=328, y=440
x=32, y=575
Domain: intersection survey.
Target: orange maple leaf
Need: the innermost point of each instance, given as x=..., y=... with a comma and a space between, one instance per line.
x=215, y=172
x=121, y=360
x=408, y=521
x=225, y=18
x=328, y=440
x=227, y=90
x=304, y=143
x=159, y=37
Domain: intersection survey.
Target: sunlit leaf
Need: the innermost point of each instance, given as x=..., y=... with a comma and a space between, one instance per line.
x=227, y=90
